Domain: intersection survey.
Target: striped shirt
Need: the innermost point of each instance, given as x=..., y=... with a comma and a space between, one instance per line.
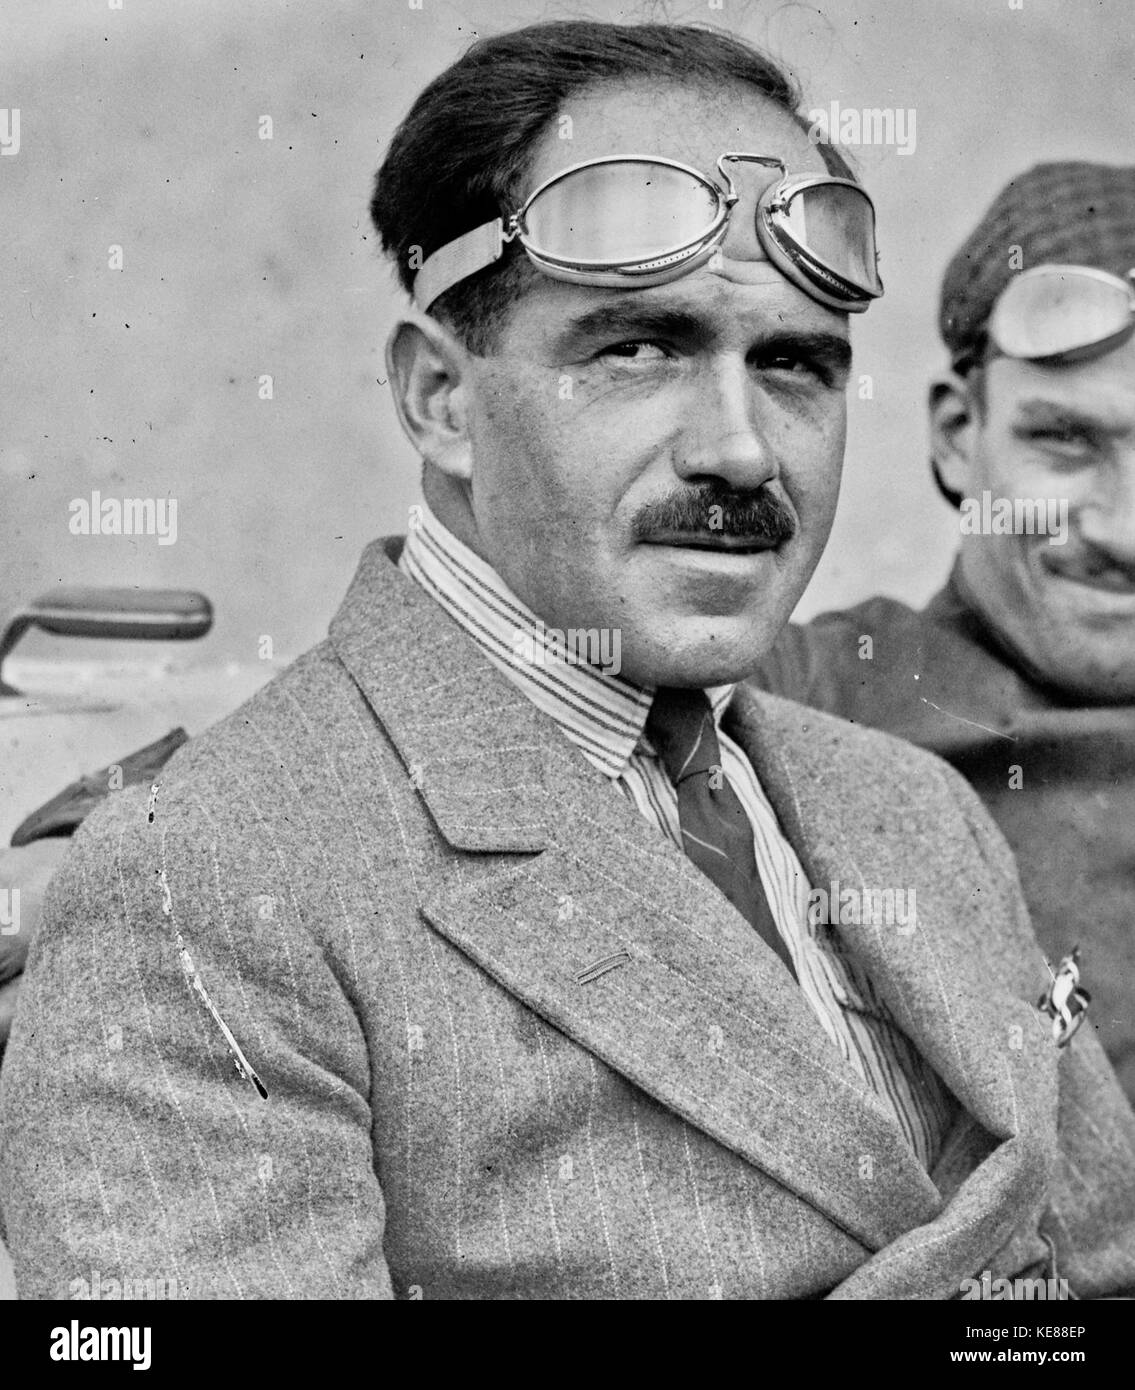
x=604, y=716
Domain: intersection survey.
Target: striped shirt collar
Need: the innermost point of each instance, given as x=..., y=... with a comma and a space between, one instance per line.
x=602, y=714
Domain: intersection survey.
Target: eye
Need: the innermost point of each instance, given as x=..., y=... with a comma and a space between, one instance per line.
x=635, y=350
x=801, y=365
x=1065, y=439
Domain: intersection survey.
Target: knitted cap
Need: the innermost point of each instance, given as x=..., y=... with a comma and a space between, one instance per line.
x=1068, y=214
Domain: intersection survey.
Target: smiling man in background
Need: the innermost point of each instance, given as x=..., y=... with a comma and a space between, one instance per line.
x=1021, y=672
x=437, y=971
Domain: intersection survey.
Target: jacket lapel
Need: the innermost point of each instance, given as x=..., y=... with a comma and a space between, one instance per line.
x=986, y=1043
x=604, y=928
x=959, y=1019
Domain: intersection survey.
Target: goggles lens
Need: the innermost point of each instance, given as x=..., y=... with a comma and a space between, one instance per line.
x=619, y=213
x=835, y=223
x=1055, y=310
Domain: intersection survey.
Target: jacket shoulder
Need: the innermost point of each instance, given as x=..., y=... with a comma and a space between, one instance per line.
x=857, y=746
x=275, y=786
x=292, y=705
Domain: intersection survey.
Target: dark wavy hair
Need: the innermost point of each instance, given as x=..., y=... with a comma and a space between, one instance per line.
x=462, y=155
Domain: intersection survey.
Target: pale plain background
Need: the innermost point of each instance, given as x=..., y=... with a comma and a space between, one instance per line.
x=245, y=256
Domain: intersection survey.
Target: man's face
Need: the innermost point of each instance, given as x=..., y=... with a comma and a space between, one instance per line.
x=1065, y=433
x=602, y=406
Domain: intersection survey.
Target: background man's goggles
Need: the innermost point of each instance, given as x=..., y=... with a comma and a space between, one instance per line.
x=629, y=221
x=1063, y=313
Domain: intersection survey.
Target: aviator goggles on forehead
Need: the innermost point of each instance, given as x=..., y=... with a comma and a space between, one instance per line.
x=1062, y=313
x=630, y=221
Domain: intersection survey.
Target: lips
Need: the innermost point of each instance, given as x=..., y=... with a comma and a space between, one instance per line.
x=711, y=540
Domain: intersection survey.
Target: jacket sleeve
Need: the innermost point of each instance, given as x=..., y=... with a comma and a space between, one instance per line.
x=131, y=1147
x=1090, y=1218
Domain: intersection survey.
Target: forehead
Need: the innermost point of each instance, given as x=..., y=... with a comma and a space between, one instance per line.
x=1103, y=388
x=693, y=126
x=688, y=123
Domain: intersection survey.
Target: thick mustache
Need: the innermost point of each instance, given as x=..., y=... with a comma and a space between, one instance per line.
x=1092, y=564
x=759, y=515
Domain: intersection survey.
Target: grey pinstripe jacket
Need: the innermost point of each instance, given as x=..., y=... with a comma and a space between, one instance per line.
x=390, y=873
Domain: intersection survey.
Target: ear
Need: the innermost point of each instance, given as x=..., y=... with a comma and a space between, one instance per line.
x=953, y=428
x=428, y=371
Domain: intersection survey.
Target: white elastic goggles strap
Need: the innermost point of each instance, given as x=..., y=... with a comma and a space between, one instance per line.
x=457, y=260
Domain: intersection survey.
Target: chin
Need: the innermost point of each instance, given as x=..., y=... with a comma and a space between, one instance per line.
x=1079, y=671
x=1096, y=681
x=712, y=656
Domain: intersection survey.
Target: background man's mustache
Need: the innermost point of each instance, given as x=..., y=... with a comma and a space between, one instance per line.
x=1088, y=561
x=717, y=511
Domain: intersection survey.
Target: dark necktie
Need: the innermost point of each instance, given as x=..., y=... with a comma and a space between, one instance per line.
x=716, y=833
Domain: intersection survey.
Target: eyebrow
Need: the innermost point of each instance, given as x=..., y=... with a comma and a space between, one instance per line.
x=615, y=319
x=1054, y=414
x=629, y=321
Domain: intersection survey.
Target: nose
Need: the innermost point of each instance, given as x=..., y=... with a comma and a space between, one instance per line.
x=1107, y=519
x=724, y=436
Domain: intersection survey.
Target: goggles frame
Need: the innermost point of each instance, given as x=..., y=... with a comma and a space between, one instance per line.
x=484, y=245
x=993, y=347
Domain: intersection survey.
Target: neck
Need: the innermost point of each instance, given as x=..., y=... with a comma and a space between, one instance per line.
x=450, y=501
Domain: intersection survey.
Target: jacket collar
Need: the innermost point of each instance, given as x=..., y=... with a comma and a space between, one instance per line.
x=601, y=712
x=462, y=730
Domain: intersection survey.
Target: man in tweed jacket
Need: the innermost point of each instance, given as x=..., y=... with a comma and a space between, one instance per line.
x=399, y=982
